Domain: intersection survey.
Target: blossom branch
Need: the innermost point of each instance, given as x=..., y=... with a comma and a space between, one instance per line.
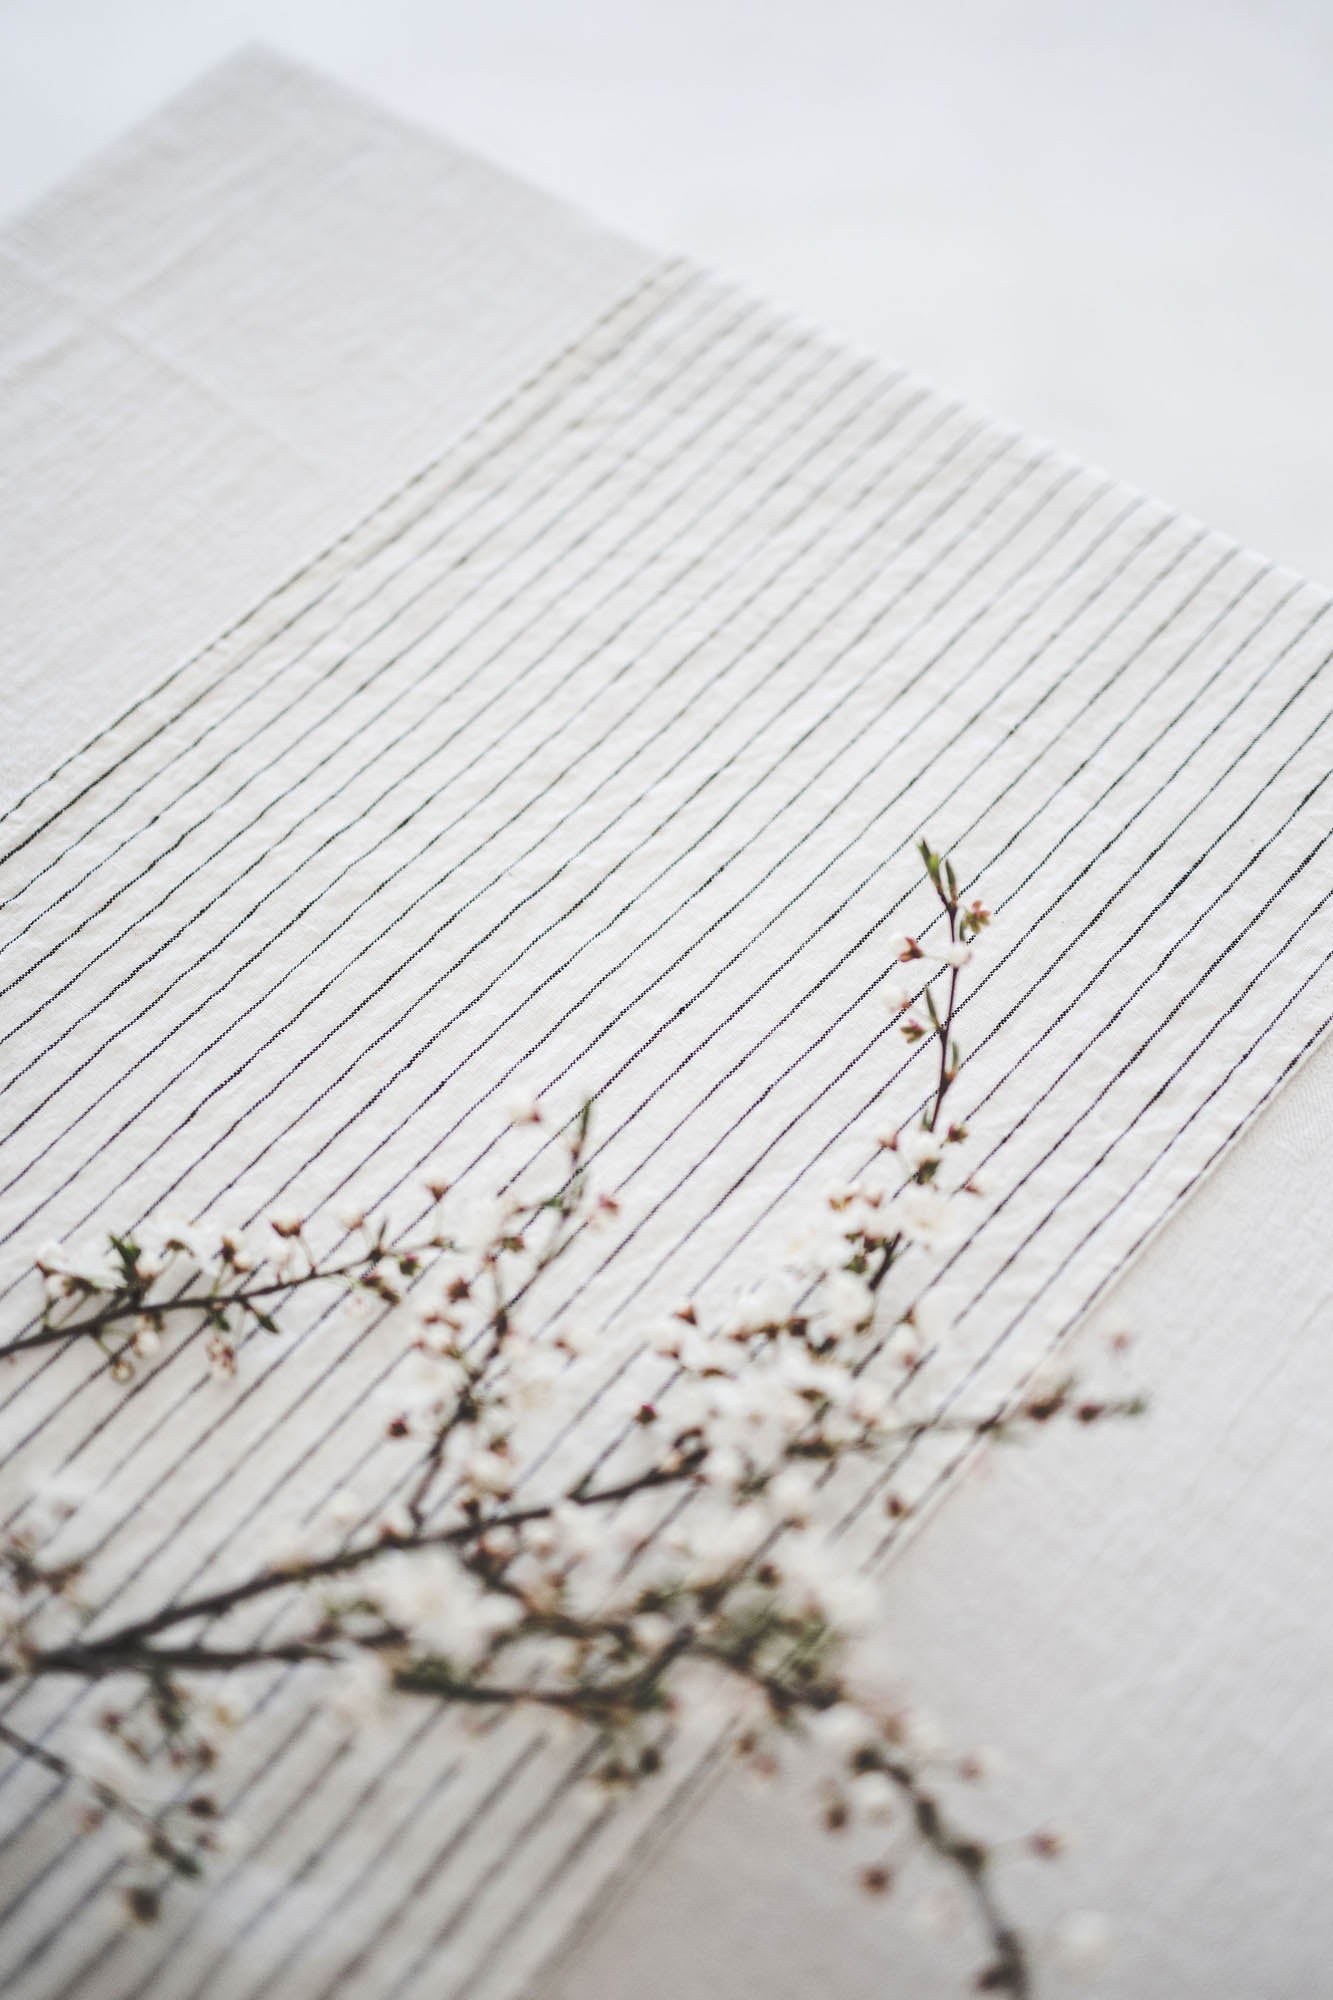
x=127, y=1273
x=603, y=1603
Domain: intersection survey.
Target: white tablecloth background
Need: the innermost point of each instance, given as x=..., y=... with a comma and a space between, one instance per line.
x=1098, y=221
x=1139, y=1619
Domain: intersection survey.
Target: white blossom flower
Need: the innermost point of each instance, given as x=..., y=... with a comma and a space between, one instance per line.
x=501, y=1543
x=730, y=1541
x=236, y=1251
x=868, y=1402
x=771, y=1299
x=95, y=1266
x=874, y=1795
x=850, y=1602
x=725, y=1467
x=820, y=1247
x=523, y=1106
x=481, y=1224
x=800, y=1371
x=903, y=1345
x=842, y=1729
x=792, y=1496
x=918, y=1147
x=291, y=1546
x=923, y=1734
x=652, y=1631
x=848, y=1301
x=1081, y=1941
x=419, y=1591
x=54, y=1499
x=177, y=1233
x=574, y=1528
x=820, y=1588
x=926, y=1216
x=220, y=1354
x=362, y=1689
x=665, y=1338
x=487, y=1471
x=425, y=1379
x=540, y=1537
x=344, y=1508
x=494, y=1421
x=531, y=1378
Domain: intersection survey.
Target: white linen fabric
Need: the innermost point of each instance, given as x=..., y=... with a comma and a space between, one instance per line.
x=221, y=345
x=597, y=750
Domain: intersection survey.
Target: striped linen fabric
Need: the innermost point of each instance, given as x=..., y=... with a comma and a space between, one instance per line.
x=595, y=757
